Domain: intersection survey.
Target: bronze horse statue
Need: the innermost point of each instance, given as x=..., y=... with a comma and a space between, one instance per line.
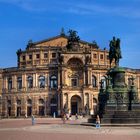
x=115, y=51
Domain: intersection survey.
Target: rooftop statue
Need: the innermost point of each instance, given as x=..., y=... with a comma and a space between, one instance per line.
x=73, y=39
x=115, y=51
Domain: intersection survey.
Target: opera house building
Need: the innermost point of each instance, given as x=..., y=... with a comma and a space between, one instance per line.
x=55, y=75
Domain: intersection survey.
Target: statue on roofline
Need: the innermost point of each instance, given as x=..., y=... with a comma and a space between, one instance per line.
x=73, y=39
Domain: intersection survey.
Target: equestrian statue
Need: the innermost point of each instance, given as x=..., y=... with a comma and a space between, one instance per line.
x=115, y=51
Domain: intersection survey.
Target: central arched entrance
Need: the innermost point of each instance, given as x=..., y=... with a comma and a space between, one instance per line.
x=76, y=105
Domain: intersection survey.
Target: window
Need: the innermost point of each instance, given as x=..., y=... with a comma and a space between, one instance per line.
x=23, y=57
x=101, y=56
x=53, y=55
x=19, y=102
x=95, y=55
x=45, y=55
x=74, y=82
x=94, y=82
x=29, y=102
x=30, y=82
x=41, y=81
x=19, y=82
x=9, y=102
x=30, y=57
x=53, y=82
x=37, y=56
x=41, y=101
x=9, y=83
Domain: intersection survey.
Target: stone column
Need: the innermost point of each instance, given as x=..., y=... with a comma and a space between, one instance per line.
x=98, y=80
x=85, y=76
x=91, y=104
x=33, y=55
x=59, y=78
x=63, y=77
x=24, y=81
x=34, y=105
x=69, y=103
x=34, y=80
x=5, y=83
x=83, y=102
x=14, y=82
x=23, y=106
x=89, y=77
x=14, y=107
x=4, y=107
x=41, y=57
x=48, y=76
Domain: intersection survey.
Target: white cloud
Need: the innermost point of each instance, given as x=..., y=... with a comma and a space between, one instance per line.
x=130, y=12
x=77, y=7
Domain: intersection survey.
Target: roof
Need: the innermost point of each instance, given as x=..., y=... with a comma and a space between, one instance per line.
x=63, y=36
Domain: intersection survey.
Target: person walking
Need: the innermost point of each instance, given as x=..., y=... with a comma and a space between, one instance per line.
x=33, y=120
x=97, y=121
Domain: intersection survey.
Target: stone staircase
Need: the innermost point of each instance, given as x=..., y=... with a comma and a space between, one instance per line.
x=118, y=117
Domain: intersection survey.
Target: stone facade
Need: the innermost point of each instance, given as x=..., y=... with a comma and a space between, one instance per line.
x=50, y=78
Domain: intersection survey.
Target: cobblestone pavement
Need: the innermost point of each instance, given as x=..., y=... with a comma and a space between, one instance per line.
x=54, y=129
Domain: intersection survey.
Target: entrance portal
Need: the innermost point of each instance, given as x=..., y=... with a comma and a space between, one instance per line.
x=76, y=107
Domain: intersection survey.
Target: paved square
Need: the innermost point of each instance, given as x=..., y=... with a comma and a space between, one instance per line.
x=54, y=129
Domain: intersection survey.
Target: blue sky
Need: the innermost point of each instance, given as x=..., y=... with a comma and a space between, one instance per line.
x=99, y=20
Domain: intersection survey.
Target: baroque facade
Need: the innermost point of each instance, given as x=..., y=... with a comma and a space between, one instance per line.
x=50, y=77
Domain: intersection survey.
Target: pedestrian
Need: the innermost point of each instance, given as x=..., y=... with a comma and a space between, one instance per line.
x=97, y=121
x=33, y=120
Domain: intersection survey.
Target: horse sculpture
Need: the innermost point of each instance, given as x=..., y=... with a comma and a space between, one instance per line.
x=115, y=52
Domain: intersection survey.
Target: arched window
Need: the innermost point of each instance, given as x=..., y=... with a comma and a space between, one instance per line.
x=41, y=81
x=29, y=102
x=41, y=102
x=19, y=82
x=53, y=81
x=94, y=81
x=19, y=102
x=30, y=82
x=9, y=83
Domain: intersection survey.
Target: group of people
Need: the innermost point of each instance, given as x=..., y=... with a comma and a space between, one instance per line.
x=68, y=117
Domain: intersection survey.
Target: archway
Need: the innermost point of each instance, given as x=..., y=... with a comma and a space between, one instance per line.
x=53, y=106
x=41, y=107
x=29, y=107
x=76, y=105
x=18, y=108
